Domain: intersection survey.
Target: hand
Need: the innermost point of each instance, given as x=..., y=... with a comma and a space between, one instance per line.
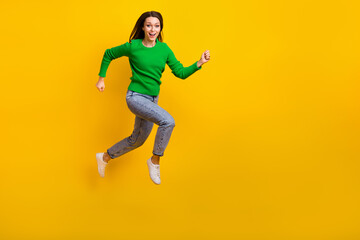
x=100, y=84
x=205, y=57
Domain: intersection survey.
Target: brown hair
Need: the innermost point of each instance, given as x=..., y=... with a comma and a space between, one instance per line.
x=138, y=33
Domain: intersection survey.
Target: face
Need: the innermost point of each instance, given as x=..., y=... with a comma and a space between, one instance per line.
x=151, y=28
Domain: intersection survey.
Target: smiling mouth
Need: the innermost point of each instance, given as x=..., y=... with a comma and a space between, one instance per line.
x=152, y=35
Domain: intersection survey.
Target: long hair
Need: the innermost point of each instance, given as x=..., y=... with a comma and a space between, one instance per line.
x=138, y=33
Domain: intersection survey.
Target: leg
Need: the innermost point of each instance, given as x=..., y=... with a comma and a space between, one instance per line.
x=149, y=110
x=142, y=129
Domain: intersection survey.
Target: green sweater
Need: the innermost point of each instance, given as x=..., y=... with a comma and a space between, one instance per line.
x=147, y=64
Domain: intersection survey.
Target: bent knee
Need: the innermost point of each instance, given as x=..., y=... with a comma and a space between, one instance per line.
x=172, y=124
x=169, y=122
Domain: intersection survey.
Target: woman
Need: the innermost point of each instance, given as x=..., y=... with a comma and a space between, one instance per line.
x=147, y=56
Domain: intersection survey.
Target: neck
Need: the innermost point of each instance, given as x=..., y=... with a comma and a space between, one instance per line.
x=149, y=43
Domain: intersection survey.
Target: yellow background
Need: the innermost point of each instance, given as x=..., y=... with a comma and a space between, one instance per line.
x=266, y=143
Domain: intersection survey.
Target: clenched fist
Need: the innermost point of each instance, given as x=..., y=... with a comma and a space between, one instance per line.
x=205, y=57
x=100, y=84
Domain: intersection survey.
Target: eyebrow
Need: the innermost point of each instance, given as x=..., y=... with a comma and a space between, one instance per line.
x=155, y=23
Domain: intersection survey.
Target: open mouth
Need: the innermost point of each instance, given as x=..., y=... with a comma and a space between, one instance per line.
x=152, y=35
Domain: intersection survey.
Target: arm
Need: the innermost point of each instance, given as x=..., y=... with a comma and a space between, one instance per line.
x=111, y=54
x=178, y=69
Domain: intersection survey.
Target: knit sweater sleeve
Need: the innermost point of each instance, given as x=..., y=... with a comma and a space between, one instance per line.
x=111, y=54
x=178, y=69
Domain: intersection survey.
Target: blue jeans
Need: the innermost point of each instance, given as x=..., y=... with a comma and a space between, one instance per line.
x=147, y=112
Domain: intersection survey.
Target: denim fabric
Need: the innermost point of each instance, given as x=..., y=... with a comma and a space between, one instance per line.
x=147, y=112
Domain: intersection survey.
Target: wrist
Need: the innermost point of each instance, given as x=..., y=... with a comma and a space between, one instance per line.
x=199, y=63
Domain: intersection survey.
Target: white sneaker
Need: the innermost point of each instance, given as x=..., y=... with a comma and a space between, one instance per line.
x=101, y=164
x=154, y=171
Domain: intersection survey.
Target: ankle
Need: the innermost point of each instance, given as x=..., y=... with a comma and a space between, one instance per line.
x=106, y=157
x=155, y=159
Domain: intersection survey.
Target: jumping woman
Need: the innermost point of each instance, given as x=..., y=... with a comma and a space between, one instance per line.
x=147, y=55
